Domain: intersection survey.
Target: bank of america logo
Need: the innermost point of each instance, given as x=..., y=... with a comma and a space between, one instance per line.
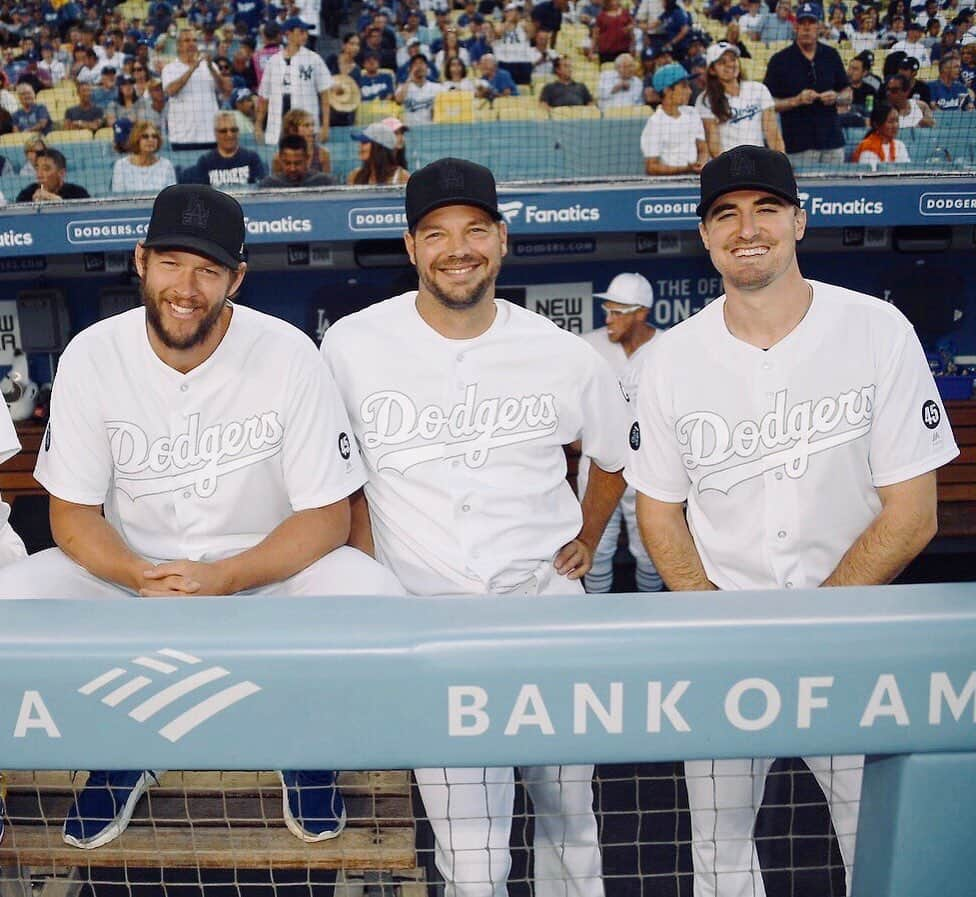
x=168, y=662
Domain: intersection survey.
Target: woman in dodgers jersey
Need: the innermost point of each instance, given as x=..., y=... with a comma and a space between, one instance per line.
x=806, y=451
x=461, y=404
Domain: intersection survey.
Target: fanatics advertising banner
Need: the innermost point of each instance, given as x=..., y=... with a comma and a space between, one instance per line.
x=346, y=215
x=266, y=683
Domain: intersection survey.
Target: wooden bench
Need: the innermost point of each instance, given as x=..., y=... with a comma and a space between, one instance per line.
x=210, y=820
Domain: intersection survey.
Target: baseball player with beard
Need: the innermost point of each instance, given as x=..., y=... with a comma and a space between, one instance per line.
x=462, y=404
x=626, y=304
x=806, y=451
x=216, y=444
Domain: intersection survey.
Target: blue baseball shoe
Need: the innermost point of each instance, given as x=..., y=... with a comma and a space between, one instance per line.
x=103, y=809
x=313, y=805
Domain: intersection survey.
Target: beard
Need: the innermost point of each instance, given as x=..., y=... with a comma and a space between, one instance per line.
x=152, y=301
x=457, y=303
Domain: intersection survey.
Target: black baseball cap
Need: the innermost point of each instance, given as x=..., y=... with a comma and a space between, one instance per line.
x=198, y=219
x=747, y=168
x=450, y=182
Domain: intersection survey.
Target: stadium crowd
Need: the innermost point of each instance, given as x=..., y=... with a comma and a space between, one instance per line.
x=151, y=82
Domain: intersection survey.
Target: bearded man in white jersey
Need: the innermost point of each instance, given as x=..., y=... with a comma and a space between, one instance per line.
x=462, y=404
x=805, y=448
x=195, y=447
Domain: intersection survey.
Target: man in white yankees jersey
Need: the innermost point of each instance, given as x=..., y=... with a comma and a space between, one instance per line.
x=216, y=443
x=806, y=451
x=626, y=304
x=461, y=404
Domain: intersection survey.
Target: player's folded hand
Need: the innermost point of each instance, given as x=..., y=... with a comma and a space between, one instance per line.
x=573, y=560
x=182, y=578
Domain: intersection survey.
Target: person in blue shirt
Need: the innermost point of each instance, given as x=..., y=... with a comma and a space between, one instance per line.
x=31, y=116
x=493, y=81
x=251, y=12
x=374, y=84
x=479, y=43
x=676, y=23
x=947, y=91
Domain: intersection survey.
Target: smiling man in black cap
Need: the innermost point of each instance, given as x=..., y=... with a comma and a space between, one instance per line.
x=196, y=447
x=461, y=403
x=805, y=450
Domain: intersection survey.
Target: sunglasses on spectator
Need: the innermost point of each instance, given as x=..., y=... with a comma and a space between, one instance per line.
x=614, y=312
x=228, y=130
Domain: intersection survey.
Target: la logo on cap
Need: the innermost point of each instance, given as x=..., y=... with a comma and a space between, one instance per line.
x=196, y=213
x=452, y=180
x=743, y=167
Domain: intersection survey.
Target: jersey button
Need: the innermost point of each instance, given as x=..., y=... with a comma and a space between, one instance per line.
x=184, y=387
x=186, y=494
x=781, y=534
x=766, y=365
x=779, y=474
x=788, y=585
x=460, y=356
x=465, y=508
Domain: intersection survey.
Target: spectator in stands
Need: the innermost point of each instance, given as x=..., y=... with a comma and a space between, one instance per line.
x=451, y=46
x=912, y=44
x=751, y=21
x=674, y=24
x=373, y=42
x=141, y=76
x=229, y=165
x=374, y=84
x=344, y=62
x=456, y=76
x=479, y=43
x=30, y=116
x=399, y=130
x=612, y=32
x=142, y=170
x=564, y=91
x=52, y=184
x=967, y=73
x=225, y=83
x=512, y=46
x=621, y=87
x=863, y=93
x=243, y=73
x=894, y=31
x=912, y=112
x=493, y=81
x=298, y=121
x=543, y=56
x=105, y=89
x=412, y=50
x=947, y=43
x=931, y=12
x=838, y=29
x=673, y=140
x=8, y=99
x=723, y=11
x=242, y=103
x=735, y=112
x=293, y=158
x=377, y=156
x=780, y=26
x=881, y=143
x=85, y=116
x=110, y=50
x=548, y=16
x=806, y=79
x=153, y=106
x=416, y=94
x=55, y=68
x=948, y=92
x=864, y=35
x=733, y=35
x=190, y=82
x=34, y=145
x=295, y=78
x=125, y=104
x=933, y=29
x=908, y=66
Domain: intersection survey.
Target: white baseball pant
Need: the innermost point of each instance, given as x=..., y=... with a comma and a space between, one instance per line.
x=724, y=797
x=600, y=577
x=52, y=574
x=470, y=812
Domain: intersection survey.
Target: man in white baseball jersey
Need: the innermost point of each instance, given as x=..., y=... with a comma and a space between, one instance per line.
x=11, y=545
x=295, y=78
x=805, y=448
x=216, y=444
x=626, y=304
x=191, y=82
x=462, y=404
